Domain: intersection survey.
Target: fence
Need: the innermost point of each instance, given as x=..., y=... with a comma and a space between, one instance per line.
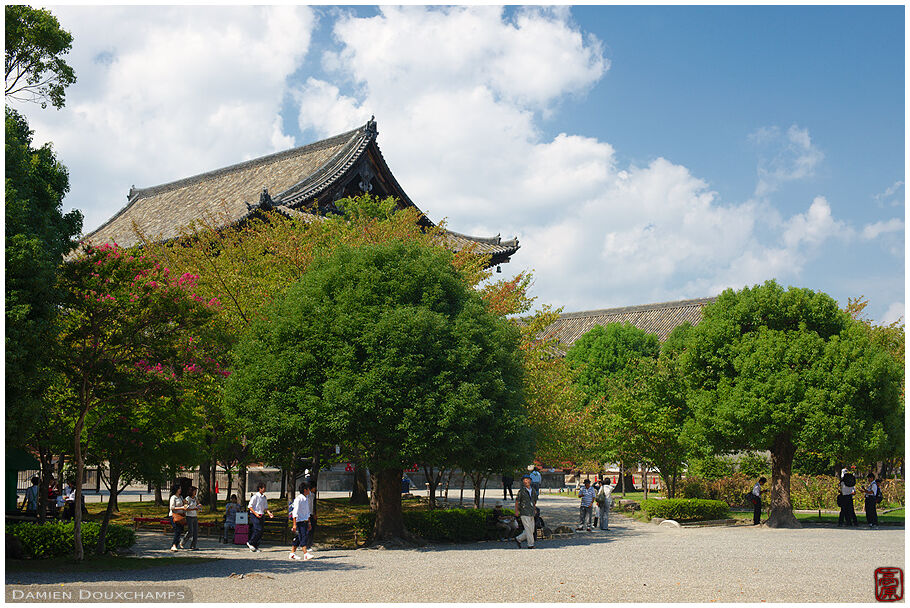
x=91, y=481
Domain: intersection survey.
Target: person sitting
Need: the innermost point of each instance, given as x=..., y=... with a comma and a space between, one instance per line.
x=230, y=518
x=506, y=525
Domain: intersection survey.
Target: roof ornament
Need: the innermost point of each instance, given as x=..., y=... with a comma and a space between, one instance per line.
x=131, y=192
x=371, y=126
x=265, y=201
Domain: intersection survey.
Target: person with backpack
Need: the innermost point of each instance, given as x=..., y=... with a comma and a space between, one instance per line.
x=755, y=497
x=845, y=499
x=873, y=497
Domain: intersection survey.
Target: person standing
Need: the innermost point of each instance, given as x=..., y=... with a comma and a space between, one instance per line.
x=258, y=507
x=30, y=503
x=871, y=491
x=525, y=503
x=756, y=501
x=192, y=520
x=845, y=499
x=586, y=512
x=604, y=502
x=230, y=518
x=535, y=483
x=177, y=513
x=301, y=522
x=507, y=481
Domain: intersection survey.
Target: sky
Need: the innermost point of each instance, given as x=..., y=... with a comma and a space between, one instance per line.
x=639, y=154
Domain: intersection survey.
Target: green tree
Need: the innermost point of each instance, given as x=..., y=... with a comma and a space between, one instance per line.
x=35, y=69
x=367, y=342
x=128, y=329
x=787, y=371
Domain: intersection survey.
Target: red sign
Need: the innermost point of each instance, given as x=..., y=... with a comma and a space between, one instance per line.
x=889, y=584
x=413, y=469
x=348, y=468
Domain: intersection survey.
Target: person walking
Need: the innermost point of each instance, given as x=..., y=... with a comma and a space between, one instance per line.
x=756, y=501
x=871, y=504
x=535, y=483
x=192, y=520
x=177, y=512
x=525, y=503
x=586, y=512
x=301, y=522
x=605, y=502
x=507, y=481
x=30, y=502
x=847, y=513
x=258, y=507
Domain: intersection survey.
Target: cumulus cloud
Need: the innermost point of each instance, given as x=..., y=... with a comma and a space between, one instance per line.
x=168, y=92
x=895, y=312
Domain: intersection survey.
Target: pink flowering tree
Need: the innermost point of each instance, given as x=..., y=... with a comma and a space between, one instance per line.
x=130, y=332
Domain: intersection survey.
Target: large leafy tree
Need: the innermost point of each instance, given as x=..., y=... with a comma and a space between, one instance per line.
x=35, y=68
x=128, y=330
x=373, y=344
x=786, y=370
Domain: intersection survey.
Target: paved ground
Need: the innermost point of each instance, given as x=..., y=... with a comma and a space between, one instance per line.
x=633, y=562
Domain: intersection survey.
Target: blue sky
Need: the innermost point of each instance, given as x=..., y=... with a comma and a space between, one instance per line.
x=640, y=154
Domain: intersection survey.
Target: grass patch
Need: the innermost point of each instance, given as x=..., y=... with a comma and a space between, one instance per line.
x=100, y=563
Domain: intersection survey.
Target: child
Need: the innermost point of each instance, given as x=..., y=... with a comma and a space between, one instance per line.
x=230, y=518
x=301, y=522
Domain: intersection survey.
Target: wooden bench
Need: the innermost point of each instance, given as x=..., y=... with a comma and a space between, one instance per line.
x=276, y=526
x=164, y=522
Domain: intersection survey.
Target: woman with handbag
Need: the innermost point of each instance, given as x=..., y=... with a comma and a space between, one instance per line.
x=177, y=513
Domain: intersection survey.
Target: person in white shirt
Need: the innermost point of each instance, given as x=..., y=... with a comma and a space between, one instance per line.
x=177, y=512
x=30, y=504
x=847, y=488
x=586, y=512
x=871, y=491
x=258, y=507
x=604, y=502
x=69, y=501
x=301, y=518
x=192, y=520
x=756, y=501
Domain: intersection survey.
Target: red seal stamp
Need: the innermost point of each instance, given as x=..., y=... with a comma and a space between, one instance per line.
x=889, y=584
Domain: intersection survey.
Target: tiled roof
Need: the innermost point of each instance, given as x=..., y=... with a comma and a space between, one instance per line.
x=294, y=179
x=222, y=195
x=658, y=319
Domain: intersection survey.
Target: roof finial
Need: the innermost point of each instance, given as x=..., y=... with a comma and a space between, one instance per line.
x=371, y=125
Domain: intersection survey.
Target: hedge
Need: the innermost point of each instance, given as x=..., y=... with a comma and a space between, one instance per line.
x=685, y=509
x=55, y=538
x=449, y=525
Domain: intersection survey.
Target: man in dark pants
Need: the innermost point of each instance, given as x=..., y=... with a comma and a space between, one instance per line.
x=871, y=490
x=756, y=501
x=258, y=507
x=845, y=499
x=507, y=482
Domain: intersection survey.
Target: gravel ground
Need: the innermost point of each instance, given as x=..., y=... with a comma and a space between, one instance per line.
x=633, y=562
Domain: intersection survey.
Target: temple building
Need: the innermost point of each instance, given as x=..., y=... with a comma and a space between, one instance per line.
x=660, y=319
x=302, y=183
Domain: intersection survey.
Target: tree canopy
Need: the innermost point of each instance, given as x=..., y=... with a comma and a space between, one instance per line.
x=785, y=370
x=377, y=347
x=35, y=68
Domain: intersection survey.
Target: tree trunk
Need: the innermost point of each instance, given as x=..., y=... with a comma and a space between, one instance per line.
x=230, y=477
x=781, y=462
x=644, y=479
x=622, y=478
x=204, y=474
x=461, y=495
x=241, y=483
x=213, y=494
x=47, y=469
x=80, y=471
x=476, y=481
x=314, y=476
x=374, y=484
x=114, y=484
x=448, y=482
x=159, y=499
x=283, y=484
x=359, y=495
x=389, y=522
x=433, y=479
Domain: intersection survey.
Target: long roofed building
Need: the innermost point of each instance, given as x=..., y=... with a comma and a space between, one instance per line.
x=302, y=182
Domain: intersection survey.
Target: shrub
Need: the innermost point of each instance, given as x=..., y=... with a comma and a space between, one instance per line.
x=685, y=509
x=55, y=539
x=711, y=467
x=754, y=464
x=730, y=489
x=451, y=525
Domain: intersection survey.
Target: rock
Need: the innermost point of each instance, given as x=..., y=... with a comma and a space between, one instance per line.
x=627, y=505
x=657, y=520
x=564, y=530
x=669, y=523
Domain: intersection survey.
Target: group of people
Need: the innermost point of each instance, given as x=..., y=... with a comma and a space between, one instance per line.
x=599, y=494
x=61, y=502
x=183, y=513
x=846, y=491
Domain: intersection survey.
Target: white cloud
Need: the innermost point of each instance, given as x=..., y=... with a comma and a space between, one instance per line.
x=813, y=227
x=168, y=92
x=895, y=312
x=786, y=156
x=889, y=192
x=873, y=231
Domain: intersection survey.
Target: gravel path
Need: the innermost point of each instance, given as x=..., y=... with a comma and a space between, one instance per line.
x=633, y=562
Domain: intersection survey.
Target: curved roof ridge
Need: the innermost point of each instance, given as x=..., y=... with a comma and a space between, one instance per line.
x=639, y=308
